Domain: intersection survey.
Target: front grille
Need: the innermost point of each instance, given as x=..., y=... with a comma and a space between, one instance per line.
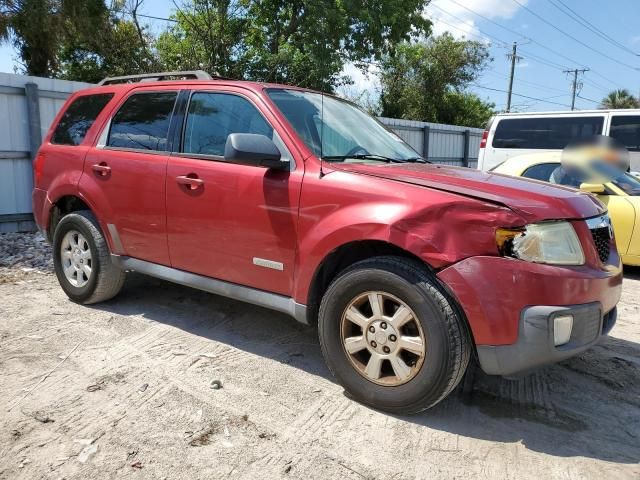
x=602, y=233
x=601, y=238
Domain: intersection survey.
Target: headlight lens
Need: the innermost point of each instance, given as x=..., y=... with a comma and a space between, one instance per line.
x=555, y=243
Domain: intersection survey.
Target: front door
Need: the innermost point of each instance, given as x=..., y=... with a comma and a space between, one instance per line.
x=125, y=175
x=232, y=222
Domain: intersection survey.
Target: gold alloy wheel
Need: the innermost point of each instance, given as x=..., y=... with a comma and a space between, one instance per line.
x=382, y=338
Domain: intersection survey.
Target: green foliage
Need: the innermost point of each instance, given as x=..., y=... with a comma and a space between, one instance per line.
x=620, y=99
x=37, y=29
x=426, y=81
x=298, y=42
x=115, y=49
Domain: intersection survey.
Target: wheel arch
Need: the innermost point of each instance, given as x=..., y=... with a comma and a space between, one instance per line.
x=352, y=252
x=342, y=257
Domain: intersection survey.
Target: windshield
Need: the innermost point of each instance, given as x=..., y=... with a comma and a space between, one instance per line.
x=598, y=172
x=336, y=130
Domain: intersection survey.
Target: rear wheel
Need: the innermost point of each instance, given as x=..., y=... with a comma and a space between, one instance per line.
x=82, y=260
x=391, y=337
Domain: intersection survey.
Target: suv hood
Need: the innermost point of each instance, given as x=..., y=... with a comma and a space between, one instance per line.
x=532, y=199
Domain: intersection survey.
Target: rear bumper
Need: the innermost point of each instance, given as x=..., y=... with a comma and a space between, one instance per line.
x=41, y=207
x=535, y=346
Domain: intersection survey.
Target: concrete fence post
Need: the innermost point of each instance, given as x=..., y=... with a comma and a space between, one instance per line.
x=425, y=142
x=467, y=142
x=33, y=116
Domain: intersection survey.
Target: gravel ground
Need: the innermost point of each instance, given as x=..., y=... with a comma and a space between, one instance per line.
x=124, y=390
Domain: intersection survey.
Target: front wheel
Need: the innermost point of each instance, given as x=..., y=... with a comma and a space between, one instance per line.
x=391, y=337
x=82, y=260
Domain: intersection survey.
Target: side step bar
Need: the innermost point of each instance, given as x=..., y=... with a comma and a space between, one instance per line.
x=261, y=298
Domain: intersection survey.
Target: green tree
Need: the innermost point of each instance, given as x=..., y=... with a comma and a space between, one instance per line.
x=208, y=35
x=117, y=44
x=38, y=28
x=426, y=81
x=299, y=42
x=620, y=99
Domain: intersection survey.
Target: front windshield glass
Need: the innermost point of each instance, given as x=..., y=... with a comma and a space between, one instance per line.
x=336, y=130
x=597, y=172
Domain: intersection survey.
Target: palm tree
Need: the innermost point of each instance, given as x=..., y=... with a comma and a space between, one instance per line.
x=619, y=99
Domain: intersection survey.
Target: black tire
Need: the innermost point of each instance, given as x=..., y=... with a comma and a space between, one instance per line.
x=448, y=344
x=106, y=279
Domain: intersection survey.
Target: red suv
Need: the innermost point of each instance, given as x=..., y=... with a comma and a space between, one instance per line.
x=300, y=202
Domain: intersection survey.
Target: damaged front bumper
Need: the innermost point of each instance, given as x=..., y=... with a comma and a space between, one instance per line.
x=511, y=305
x=536, y=346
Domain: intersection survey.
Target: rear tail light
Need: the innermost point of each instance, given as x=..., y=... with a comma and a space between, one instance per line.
x=38, y=166
x=483, y=142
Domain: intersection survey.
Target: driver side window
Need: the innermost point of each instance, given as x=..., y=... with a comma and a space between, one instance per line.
x=212, y=117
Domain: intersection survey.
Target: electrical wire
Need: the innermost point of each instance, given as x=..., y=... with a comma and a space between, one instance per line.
x=544, y=20
x=575, y=16
x=534, y=41
x=519, y=95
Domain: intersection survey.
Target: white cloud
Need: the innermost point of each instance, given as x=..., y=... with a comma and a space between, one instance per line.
x=443, y=13
x=452, y=16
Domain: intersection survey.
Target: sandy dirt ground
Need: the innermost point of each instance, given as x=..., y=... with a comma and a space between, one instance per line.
x=124, y=390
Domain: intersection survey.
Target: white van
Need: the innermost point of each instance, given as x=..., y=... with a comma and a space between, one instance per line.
x=511, y=134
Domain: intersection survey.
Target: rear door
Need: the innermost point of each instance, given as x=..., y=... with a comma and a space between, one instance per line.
x=237, y=223
x=519, y=135
x=125, y=174
x=625, y=127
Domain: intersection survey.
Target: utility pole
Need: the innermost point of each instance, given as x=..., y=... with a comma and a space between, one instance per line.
x=513, y=56
x=575, y=87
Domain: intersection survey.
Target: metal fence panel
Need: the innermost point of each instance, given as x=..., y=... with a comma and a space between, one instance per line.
x=445, y=143
x=16, y=144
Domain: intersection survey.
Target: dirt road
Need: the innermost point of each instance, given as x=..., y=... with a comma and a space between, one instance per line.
x=129, y=396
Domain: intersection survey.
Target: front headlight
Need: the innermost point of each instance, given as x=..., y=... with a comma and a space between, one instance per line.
x=555, y=243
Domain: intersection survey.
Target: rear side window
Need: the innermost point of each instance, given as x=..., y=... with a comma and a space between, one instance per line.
x=549, y=133
x=212, y=117
x=626, y=129
x=78, y=118
x=142, y=123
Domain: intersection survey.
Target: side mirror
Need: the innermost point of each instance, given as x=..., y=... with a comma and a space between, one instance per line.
x=592, y=187
x=253, y=149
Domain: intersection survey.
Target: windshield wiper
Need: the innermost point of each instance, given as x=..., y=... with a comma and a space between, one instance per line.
x=369, y=156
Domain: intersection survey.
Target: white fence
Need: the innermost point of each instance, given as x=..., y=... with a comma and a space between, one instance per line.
x=28, y=105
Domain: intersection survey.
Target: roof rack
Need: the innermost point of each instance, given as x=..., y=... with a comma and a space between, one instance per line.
x=156, y=77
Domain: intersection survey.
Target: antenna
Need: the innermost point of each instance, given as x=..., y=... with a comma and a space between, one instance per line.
x=321, y=132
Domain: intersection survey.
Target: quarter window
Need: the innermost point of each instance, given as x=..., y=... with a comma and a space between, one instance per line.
x=212, y=117
x=626, y=129
x=142, y=123
x=78, y=119
x=548, y=133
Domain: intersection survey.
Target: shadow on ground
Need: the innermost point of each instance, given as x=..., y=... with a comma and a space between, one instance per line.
x=588, y=406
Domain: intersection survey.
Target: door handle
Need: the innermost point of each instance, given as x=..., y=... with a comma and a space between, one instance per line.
x=191, y=183
x=102, y=169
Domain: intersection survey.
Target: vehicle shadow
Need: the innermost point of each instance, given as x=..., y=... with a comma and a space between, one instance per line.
x=588, y=406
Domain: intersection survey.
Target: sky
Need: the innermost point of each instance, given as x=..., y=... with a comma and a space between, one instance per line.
x=552, y=36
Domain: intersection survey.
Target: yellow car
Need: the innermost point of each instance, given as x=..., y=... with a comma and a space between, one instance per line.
x=621, y=195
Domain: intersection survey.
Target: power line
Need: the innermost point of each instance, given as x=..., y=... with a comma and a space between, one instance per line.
x=575, y=16
x=527, y=82
x=541, y=45
x=514, y=32
x=575, y=87
x=519, y=95
x=542, y=19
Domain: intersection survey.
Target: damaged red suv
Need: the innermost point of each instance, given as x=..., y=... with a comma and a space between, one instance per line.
x=302, y=203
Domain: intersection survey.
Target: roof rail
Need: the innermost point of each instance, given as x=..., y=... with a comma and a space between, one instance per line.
x=155, y=77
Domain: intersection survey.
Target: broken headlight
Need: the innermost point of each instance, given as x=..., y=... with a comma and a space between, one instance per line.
x=554, y=243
